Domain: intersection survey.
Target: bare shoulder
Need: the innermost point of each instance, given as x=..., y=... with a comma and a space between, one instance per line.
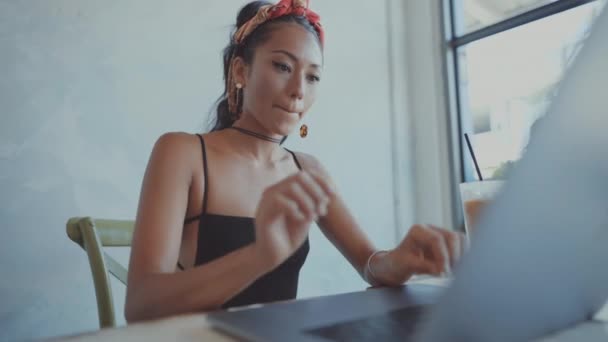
x=311, y=163
x=176, y=146
x=175, y=151
x=176, y=142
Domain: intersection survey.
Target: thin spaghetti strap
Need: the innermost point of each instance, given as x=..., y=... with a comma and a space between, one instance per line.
x=192, y=219
x=295, y=159
x=205, y=175
x=205, y=184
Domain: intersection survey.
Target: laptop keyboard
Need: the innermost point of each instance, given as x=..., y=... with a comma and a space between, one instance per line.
x=395, y=325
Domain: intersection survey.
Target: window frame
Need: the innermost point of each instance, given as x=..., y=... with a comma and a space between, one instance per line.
x=452, y=18
x=463, y=171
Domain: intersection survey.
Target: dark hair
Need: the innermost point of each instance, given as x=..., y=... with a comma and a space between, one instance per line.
x=246, y=51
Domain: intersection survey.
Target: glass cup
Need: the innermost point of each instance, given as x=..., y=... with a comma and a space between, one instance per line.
x=475, y=196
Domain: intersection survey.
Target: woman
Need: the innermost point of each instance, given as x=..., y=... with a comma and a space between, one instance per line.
x=232, y=208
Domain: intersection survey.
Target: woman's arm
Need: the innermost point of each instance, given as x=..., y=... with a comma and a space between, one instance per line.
x=425, y=249
x=154, y=288
x=339, y=226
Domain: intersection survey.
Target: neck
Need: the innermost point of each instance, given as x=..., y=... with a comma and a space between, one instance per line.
x=256, y=135
x=255, y=146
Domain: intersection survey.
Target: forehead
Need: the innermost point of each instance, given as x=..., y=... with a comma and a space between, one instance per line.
x=295, y=39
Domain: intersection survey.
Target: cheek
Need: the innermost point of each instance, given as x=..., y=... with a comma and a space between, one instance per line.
x=256, y=98
x=263, y=89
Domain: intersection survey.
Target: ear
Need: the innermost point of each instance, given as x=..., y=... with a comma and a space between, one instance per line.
x=239, y=70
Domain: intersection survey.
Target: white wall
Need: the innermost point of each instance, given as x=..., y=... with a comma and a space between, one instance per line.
x=87, y=86
x=435, y=161
x=424, y=166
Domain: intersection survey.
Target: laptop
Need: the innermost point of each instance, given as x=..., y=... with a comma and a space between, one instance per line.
x=538, y=264
x=381, y=314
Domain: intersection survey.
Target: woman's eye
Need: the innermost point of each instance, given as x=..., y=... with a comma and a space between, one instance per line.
x=282, y=67
x=314, y=78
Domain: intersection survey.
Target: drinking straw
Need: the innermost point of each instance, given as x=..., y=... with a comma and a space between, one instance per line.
x=466, y=136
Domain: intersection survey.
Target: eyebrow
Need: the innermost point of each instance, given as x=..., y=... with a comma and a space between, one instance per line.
x=293, y=57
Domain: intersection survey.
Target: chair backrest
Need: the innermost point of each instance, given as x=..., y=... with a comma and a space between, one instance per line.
x=92, y=235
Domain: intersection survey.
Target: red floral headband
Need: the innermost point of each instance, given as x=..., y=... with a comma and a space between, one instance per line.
x=267, y=13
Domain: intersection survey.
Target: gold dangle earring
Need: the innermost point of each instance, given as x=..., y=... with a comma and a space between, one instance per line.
x=303, y=131
x=239, y=95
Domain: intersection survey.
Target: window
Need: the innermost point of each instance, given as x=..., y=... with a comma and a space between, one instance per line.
x=508, y=58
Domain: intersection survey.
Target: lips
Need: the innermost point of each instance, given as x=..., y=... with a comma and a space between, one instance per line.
x=289, y=111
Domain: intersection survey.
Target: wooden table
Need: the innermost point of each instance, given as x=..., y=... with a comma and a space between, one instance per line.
x=183, y=328
x=179, y=329
x=195, y=327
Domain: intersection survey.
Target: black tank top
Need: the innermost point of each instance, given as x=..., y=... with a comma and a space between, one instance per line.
x=219, y=235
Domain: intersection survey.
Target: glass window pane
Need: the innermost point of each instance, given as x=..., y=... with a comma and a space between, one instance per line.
x=506, y=83
x=476, y=14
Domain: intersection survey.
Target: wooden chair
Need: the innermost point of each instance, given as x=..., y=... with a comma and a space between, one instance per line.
x=92, y=235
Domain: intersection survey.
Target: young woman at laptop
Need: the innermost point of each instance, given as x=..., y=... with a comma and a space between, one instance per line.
x=232, y=208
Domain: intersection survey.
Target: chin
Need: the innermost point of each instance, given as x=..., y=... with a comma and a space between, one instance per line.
x=285, y=130
x=285, y=127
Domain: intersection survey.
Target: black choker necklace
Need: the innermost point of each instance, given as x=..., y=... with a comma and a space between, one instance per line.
x=257, y=135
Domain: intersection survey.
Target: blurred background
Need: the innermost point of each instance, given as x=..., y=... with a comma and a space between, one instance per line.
x=87, y=87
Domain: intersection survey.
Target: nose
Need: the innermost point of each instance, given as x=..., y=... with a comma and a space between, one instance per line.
x=297, y=87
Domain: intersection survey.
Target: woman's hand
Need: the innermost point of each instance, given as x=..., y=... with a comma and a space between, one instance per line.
x=426, y=249
x=285, y=212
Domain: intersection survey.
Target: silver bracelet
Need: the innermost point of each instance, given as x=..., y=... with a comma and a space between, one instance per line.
x=369, y=266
